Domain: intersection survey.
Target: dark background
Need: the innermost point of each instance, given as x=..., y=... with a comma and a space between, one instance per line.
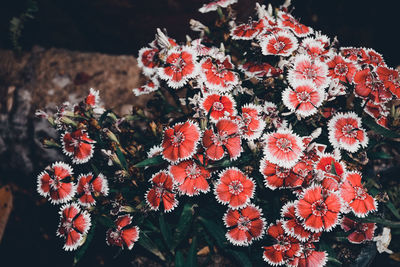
x=123, y=27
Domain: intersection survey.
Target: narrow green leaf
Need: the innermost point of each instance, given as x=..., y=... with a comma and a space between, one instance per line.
x=106, y=221
x=82, y=250
x=385, y=222
x=191, y=260
x=154, y=161
x=184, y=224
x=240, y=257
x=215, y=231
x=393, y=209
x=179, y=259
x=334, y=261
x=165, y=229
x=145, y=242
x=370, y=122
x=121, y=158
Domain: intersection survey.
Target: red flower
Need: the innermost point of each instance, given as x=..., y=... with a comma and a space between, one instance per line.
x=345, y=132
x=341, y=69
x=355, y=195
x=151, y=85
x=162, y=191
x=362, y=231
x=291, y=224
x=73, y=226
x=147, y=60
x=180, y=65
x=328, y=164
x=374, y=58
x=247, y=31
x=218, y=105
x=226, y=137
x=234, y=188
x=180, y=141
x=279, y=177
x=253, y=122
x=217, y=75
x=316, y=48
x=78, y=145
x=286, y=247
x=245, y=225
x=259, y=70
x=367, y=84
x=309, y=257
x=93, y=98
x=281, y=43
x=123, y=235
x=89, y=187
x=378, y=111
x=319, y=212
x=283, y=148
x=390, y=79
x=56, y=183
x=353, y=53
x=191, y=176
x=306, y=69
x=215, y=4
x=304, y=99
x=288, y=21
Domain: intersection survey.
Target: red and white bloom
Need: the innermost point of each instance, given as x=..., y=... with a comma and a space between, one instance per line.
x=390, y=79
x=345, y=132
x=315, y=48
x=285, y=248
x=226, y=138
x=283, y=148
x=245, y=225
x=373, y=58
x=319, y=211
x=89, y=187
x=368, y=85
x=281, y=43
x=55, y=182
x=147, y=60
x=78, y=145
x=161, y=192
x=304, y=99
x=253, y=122
x=123, y=235
x=219, y=106
x=217, y=74
x=279, y=177
x=151, y=85
x=215, y=4
x=292, y=225
x=361, y=231
x=309, y=257
x=92, y=99
x=180, y=141
x=190, y=176
x=341, y=69
x=248, y=31
x=259, y=70
x=74, y=225
x=288, y=21
x=353, y=53
x=180, y=66
x=327, y=163
x=234, y=188
x=306, y=69
x=355, y=195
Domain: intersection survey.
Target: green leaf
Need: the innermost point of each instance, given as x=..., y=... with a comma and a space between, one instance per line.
x=385, y=222
x=370, y=122
x=184, y=224
x=366, y=255
x=121, y=158
x=165, y=229
x=191, y=260
x=145, y=242
x=215, y=231
x=82, y=250
x=393, y=209
x=240, y=257
x=154, y=161
x=334, y=261
x=106, y=221
x=179, y=259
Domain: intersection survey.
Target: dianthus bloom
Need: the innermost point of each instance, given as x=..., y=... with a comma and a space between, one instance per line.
x=90, y=186
x=288, y=21
x=283, y=148
x=279, y=177
x=147, y=60
x=180, y=66
x=252, y=120
x=123, y=235
x=355, y=195
x=282, y=43
x=245, y=225
x=341, y=69
x=218, y=105
x=304, y=99
x=180, y=141
x=319, y=212
x=292, y=225
x=161, y=192
x=361, y=231
x=345, y=132
x=259, y=70
x=306, y=69
x=309, y=257
x=234, y=188
x=368, y=85
x=285, y=248
x=190, y=176
x=248, y=31
x=56, y=183
x=226, y=137
x=212, y=6
x=74, y=224
x=217, y=74
x=78, y=145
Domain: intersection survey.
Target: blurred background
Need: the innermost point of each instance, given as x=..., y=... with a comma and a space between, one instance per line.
x=54, y=50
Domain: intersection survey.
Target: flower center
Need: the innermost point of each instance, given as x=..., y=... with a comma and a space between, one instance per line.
x=310, y=73
x=341, y=69
x=235, y=187
x=177, y=139
x=284, y=144
x=282, y=243
x=67, y=225
x=88, y=188
x=218, y=106
x=282, y=172
x=220, y=138
x=279, y=45
x=159, y=188
x=192, y=171
x=319, y=208
x=360, y=192
x=178, y=64
x=303, y=97
x=243, y=223
x=115, y=235
x=349, y=131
